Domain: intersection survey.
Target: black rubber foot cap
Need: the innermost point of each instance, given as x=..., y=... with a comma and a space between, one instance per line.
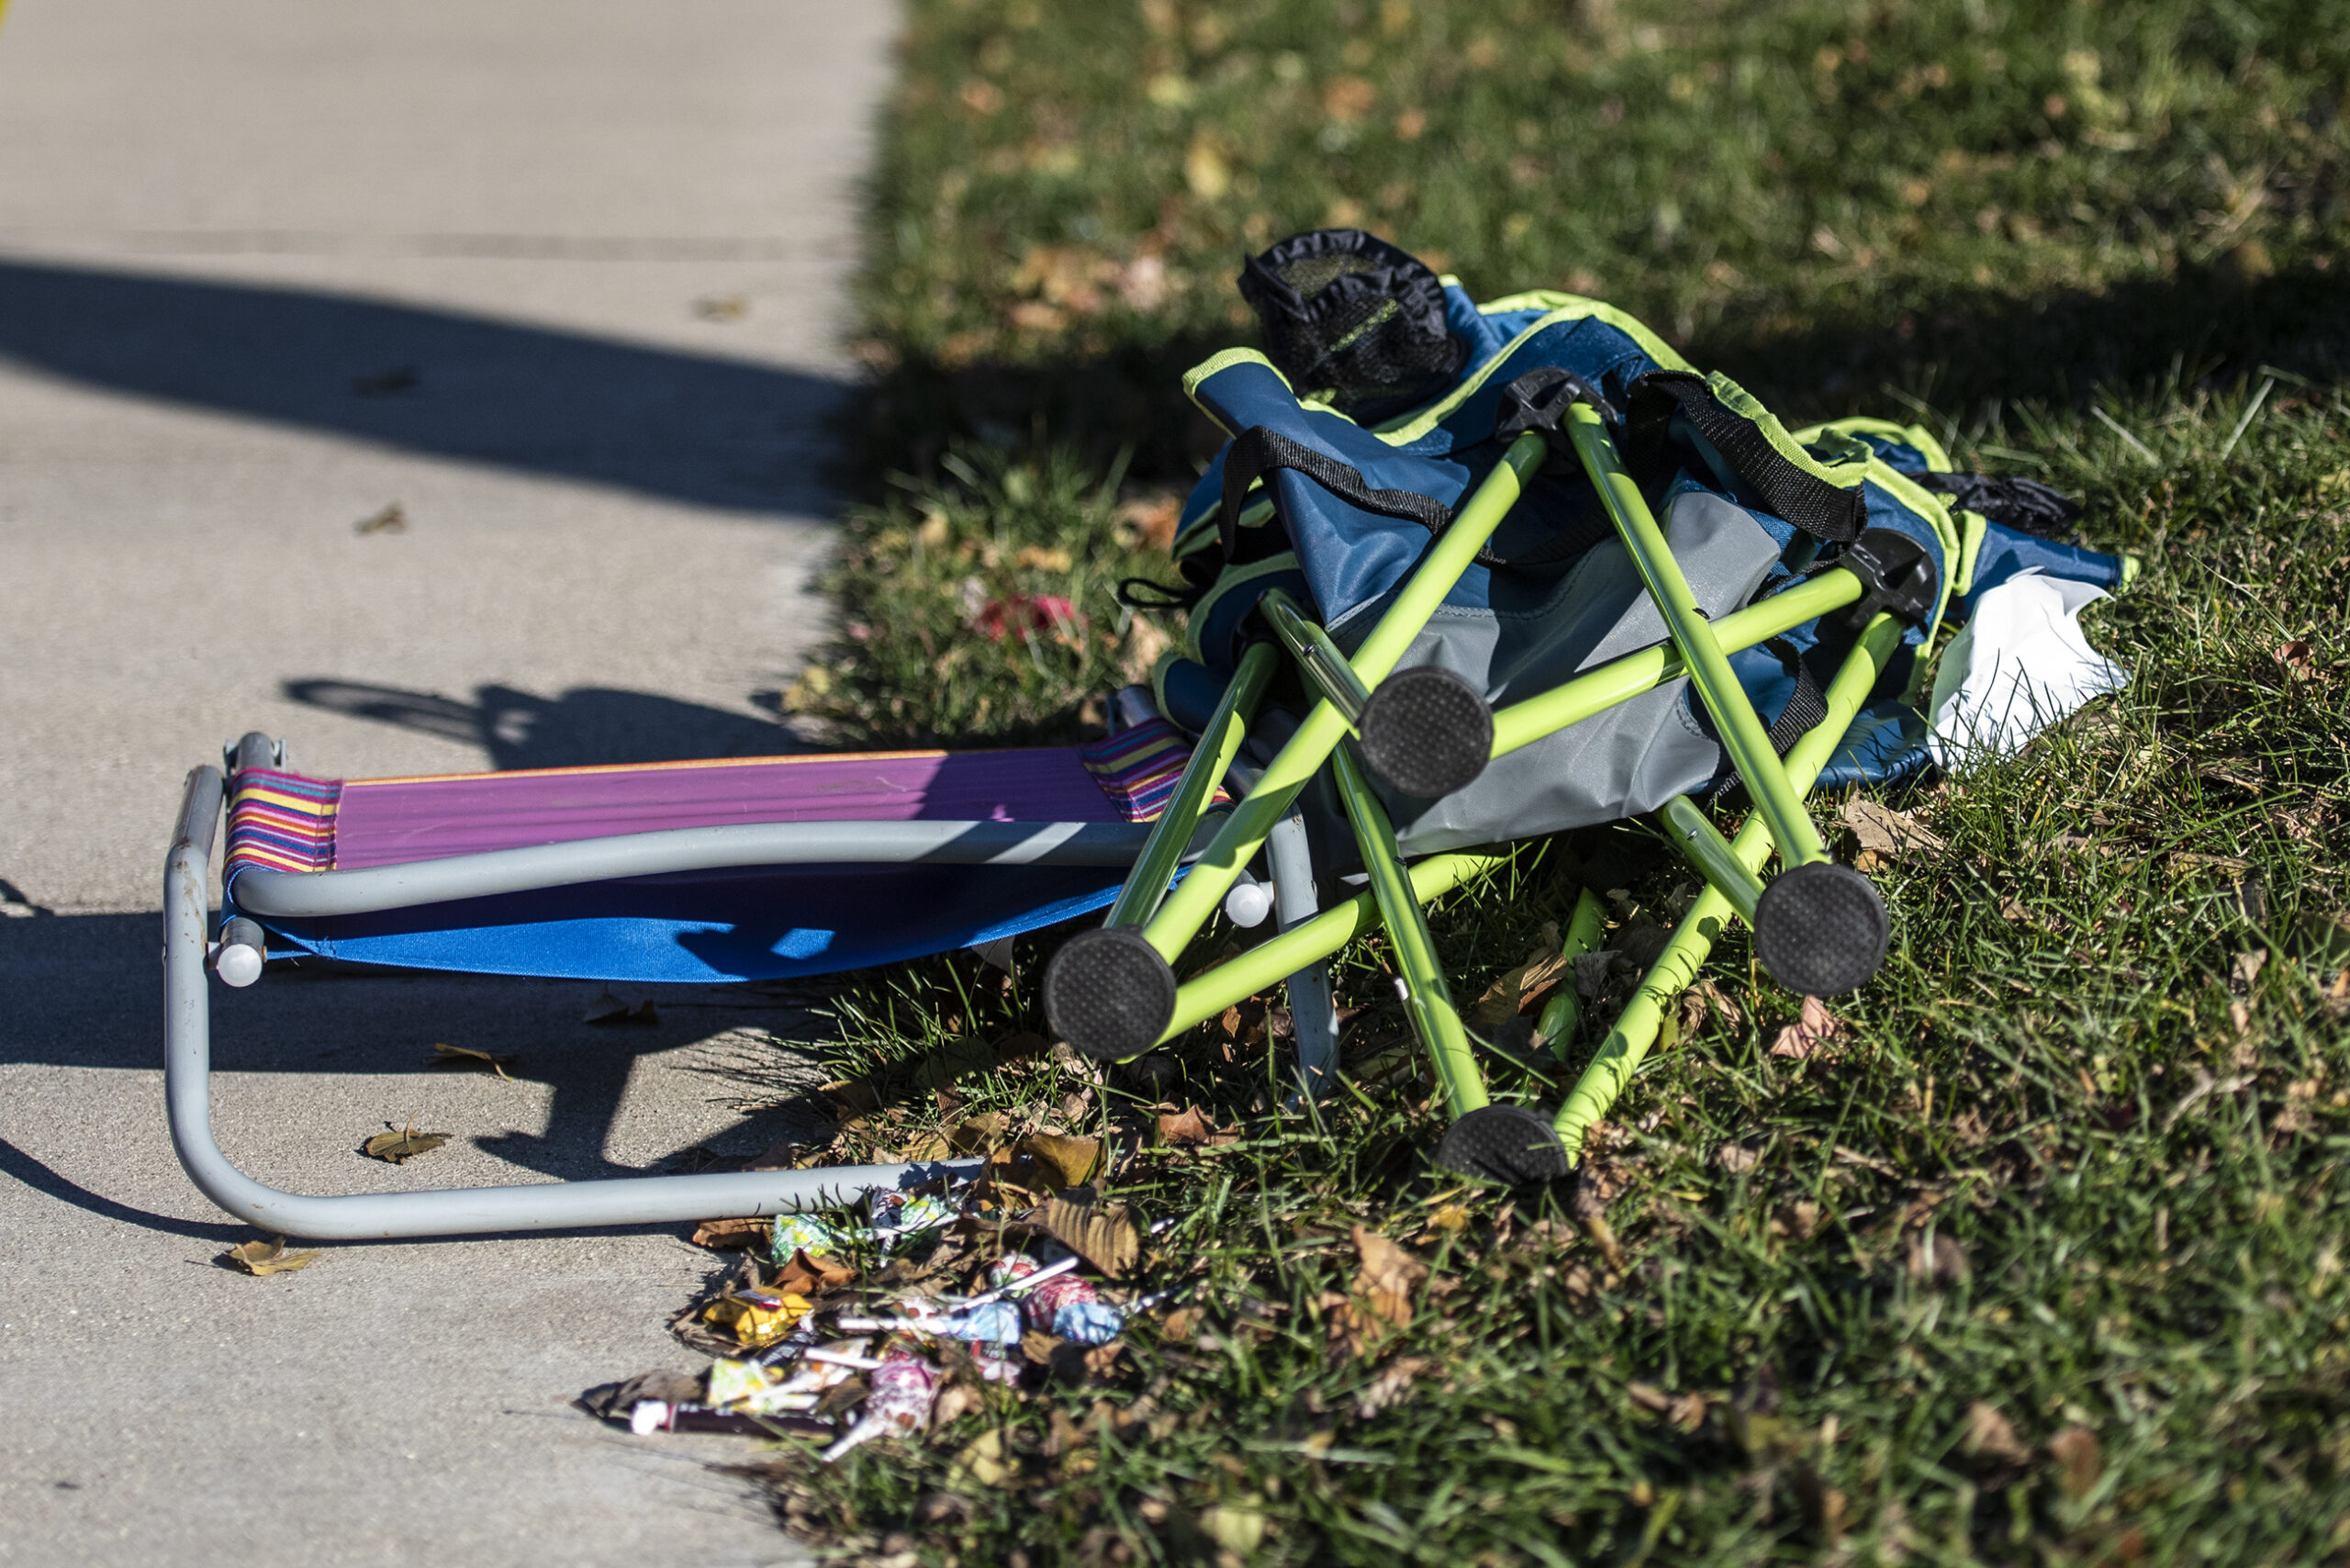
x=1820, y=929
x=1509, y=1143
x=1109, y=993
x=1426, y=732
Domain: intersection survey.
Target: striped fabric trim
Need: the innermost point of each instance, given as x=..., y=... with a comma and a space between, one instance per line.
x=1138, y=768
x=282, y=821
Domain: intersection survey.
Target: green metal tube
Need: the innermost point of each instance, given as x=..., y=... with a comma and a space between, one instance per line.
x=1742, y=735
x=1277, y=958
x=1145, y=885
x=1703, y=846
x=1321, y=661
x=1594, y=692
x=1426, y=998
x=1620, y=1054
x=1565, y=1009
x=1188, y=907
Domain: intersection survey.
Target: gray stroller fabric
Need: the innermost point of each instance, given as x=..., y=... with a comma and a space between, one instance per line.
x=1630, y=760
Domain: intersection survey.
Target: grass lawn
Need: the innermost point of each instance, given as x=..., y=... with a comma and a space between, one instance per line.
x=2044, y=1261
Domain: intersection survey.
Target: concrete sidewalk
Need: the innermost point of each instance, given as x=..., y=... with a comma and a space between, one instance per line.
x=562, y=284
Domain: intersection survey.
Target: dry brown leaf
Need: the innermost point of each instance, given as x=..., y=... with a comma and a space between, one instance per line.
x=733, y=1235
x=1807, y=1037
x=1941, y=1262
x=1154, y=518
x=957, y=1400
x=267, y=1257
x=2297, y=659
x=466, y=1058
x=1104, y=1235
x=2078, y=1461
x=2335, y=998
x=984, y=1461
x=1706, y=1000
x=1040, y=558
x=399, y=1146
x=1051, y=1161
x=1389, y=1276
x=2246, y=967
x=1145, y=644
x=1736, y=1158
x=1987, y=1435
x=811, y=1277
x=1186, y=1127
x=1520, y=989
x=1881, y=835
x=1387, y=1390
x=1648, y=1397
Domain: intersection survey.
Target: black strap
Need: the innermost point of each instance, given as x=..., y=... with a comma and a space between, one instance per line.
x=1163, y=596
x=1260, y=449
x=2025, y=505
x=1821, y=509
x=1806, y=708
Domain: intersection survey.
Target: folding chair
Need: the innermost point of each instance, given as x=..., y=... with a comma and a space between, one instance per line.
x=732, y=870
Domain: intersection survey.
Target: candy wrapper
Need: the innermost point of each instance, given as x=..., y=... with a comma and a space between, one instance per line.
x=1045, y=1303
x=803, y=1233
x=903, y=1388
x=897, y=1217
x=755, y=1319
x=1089, y=1322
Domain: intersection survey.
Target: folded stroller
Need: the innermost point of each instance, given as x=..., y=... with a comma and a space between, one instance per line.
x=1557, y=577
x=1464, y=575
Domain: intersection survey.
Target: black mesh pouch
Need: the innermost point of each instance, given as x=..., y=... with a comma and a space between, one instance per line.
x=1350, y=316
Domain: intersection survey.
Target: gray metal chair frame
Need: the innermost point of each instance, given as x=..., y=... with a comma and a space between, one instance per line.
x=629, y=1201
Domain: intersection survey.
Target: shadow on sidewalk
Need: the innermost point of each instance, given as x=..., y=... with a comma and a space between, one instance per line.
x=584, y=727
x=86, y=992
x=683, y=427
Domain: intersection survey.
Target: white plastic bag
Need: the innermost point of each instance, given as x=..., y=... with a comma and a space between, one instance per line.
x=2018, y=664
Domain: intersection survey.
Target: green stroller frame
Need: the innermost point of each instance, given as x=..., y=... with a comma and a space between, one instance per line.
x=1820, y=928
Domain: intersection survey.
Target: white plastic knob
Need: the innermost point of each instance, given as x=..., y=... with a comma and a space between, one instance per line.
x=238, y=965
x=1248, y=903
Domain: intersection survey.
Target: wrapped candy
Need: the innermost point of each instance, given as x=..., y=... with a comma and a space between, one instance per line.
x=1089, y=1322
x=897, y=1217
x=904, y=1389
x=755, y=1319
x=803, y=1233
x=1045, y=1303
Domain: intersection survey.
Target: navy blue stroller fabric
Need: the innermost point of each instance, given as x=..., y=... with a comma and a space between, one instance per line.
x=1345, y=559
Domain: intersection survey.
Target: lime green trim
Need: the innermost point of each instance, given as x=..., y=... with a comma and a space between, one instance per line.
x=1217, y=363
x=1564, y=307
x=1574, y=308
x=1960, y=539
x=1845, y=472
x=1972, y=528
x=1910, y=435
x=1234, y=578
x=2131, y=568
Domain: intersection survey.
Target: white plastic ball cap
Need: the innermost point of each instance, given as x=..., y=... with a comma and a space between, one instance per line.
x=1248, y=903
x=238, y=964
